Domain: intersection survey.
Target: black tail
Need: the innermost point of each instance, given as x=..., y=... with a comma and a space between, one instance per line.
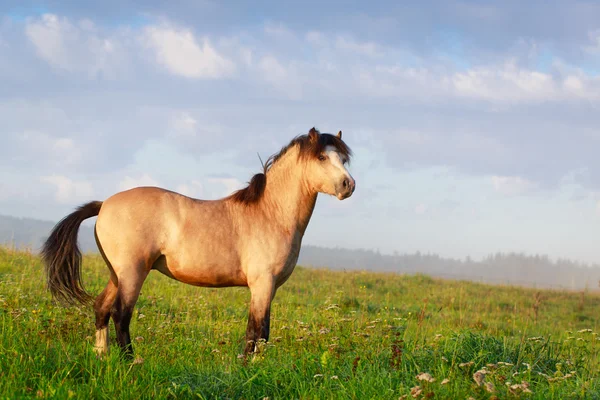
x=62, y=256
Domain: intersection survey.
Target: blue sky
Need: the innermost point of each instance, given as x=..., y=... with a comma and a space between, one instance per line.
x=475, y=125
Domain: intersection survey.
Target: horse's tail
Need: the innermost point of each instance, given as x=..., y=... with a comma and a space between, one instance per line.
x=62, y=257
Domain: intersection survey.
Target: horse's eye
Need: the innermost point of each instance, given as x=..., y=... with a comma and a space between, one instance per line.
x=322, y=157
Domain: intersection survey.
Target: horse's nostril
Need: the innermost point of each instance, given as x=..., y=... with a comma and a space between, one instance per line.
x=345, y=183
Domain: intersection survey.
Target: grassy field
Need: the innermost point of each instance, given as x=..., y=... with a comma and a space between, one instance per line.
x=346, y=335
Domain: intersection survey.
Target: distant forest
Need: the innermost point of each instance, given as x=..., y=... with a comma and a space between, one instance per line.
x=501, y=268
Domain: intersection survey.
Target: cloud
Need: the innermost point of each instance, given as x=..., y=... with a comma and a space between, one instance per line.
x=283, y=78
x=69, y=191
x=56, y=152
x=183, y=124
x=503, y=84
x=512, y=185
x=178, y=51
x=75, y=47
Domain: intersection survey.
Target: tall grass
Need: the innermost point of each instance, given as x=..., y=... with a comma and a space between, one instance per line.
x=352, y=335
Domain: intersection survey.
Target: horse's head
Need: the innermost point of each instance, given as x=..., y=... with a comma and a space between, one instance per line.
x=326, y=170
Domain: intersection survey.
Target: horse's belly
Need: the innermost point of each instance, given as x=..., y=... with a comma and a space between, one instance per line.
x=203, y=274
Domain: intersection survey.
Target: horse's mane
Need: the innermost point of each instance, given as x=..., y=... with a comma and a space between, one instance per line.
x=308, y=148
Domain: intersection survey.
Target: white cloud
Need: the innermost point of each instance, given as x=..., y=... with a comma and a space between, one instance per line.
x=512, y=185
x=144, y=180
x=284, y=79
x=74, y=47
x=505, y=83
x=179, y=52
x=69, y=191
x=183, y=124
x=57, y=151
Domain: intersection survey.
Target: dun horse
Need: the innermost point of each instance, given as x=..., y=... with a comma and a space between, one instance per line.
x=251, y=238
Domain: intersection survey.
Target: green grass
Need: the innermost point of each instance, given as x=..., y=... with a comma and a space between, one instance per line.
x=347, y=335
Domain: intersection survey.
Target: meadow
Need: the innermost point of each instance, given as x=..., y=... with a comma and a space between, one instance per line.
x=334, y=335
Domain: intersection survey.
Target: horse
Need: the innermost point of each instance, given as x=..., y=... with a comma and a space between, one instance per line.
x=251, y=238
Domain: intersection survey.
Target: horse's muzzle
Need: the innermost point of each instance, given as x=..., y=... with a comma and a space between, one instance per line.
x=346, y=188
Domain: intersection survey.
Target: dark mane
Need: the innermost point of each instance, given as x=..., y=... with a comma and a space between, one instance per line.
x=310, y=146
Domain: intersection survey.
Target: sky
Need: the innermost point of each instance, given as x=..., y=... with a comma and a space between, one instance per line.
x=475, y=124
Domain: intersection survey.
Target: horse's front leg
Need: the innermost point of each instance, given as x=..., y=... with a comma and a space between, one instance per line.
x=262, y=292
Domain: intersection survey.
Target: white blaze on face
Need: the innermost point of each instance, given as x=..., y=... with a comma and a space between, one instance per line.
x=337, y=162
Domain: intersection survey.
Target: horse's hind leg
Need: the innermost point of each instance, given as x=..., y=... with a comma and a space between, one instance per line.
x=102, y=306
x=128, y=292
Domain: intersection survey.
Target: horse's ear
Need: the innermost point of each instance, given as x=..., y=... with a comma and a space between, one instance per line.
x=313, y=135
x=339, y=135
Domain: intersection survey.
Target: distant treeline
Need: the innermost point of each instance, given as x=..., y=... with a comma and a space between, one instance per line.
x=500, y=268
x=512, y=269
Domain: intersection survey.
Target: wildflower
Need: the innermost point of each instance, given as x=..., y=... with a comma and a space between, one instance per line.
x=416, y=391
x=138, y=360
x=139, y=339
x=445, y=381
x=523, y=386
x=489, y=386
x=536, y=338
x=334, y=377
x=585, y=331
x=332, y=307
x=318, y=376
x=140, y=316
x=479, y=377
x=507, y=364
x=466, y=364
x=324, y=331
x=438, y=336
x=424, y=376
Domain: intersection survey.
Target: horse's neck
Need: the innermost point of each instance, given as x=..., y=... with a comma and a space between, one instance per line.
x=287, y=197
